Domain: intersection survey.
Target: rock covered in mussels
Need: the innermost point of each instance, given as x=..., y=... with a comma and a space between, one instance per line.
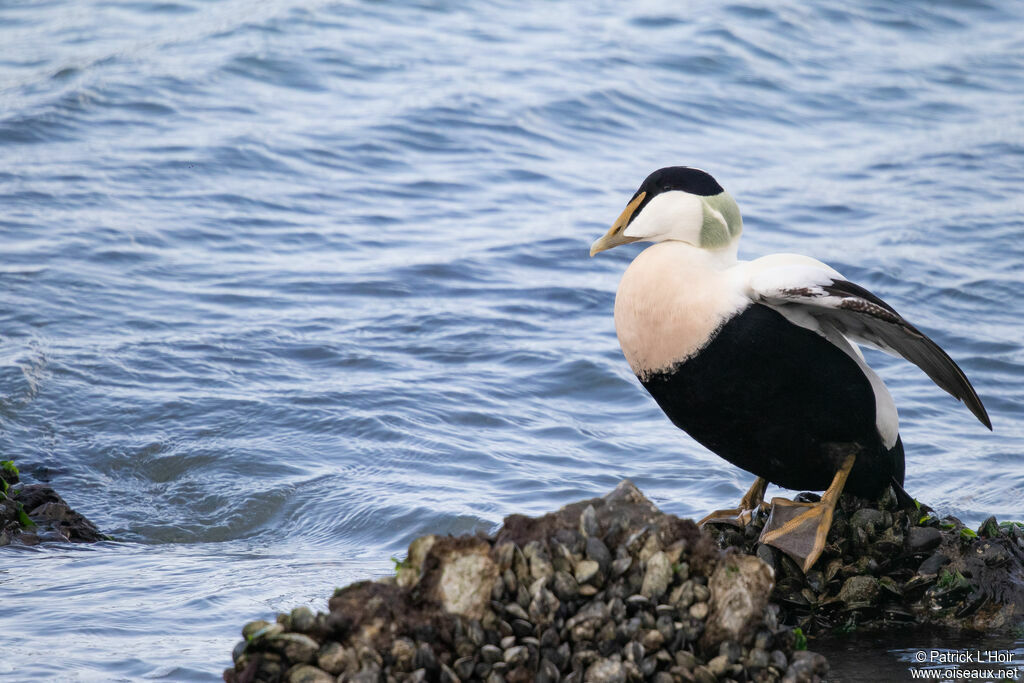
x=884, y=566
x=605, y=590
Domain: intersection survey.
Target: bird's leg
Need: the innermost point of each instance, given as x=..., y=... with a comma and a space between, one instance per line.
x=741, y=516
x=800, y=529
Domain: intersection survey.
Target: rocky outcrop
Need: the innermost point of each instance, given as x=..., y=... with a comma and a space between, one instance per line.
x=604, y=590
x=885, y=567
x=613, y=590
x=34, y=513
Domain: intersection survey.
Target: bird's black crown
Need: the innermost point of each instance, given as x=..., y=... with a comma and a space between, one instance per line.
x=692, y=180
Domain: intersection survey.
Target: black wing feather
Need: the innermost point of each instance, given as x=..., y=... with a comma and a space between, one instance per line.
x=864, y=315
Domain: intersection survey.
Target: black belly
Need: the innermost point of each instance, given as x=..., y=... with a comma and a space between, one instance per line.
x=781, y=402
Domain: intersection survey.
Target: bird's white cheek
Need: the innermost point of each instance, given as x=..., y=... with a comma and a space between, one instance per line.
x=671, y=215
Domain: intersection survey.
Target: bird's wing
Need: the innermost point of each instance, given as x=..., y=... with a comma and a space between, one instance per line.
x=813, y=295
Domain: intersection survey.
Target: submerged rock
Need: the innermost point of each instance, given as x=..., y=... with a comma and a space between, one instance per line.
x=609, y=589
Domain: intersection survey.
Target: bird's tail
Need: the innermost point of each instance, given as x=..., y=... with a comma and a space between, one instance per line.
x=905, y=500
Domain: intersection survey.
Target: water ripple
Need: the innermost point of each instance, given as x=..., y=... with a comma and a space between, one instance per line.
x=286, y=286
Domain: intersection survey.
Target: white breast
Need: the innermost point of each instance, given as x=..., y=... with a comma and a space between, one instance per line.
x=671, y=300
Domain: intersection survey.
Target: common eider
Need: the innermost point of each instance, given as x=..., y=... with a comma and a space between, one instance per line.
x=758, y=360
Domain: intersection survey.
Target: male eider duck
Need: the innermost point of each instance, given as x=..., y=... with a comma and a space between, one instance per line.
x=758, y=360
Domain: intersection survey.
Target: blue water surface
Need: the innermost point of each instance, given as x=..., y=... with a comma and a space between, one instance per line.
x=287, y=284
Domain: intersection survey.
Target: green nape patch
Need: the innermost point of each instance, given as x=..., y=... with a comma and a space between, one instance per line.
x=401, y=564
x=714, y=233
